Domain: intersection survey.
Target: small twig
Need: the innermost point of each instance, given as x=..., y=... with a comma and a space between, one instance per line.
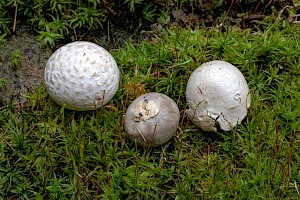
x=269, y=3
x=15, y=18
x=256, y=7
x=228, y=11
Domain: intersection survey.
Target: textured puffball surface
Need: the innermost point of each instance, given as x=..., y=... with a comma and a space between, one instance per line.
x=152, y=119
x=218, y=96
x=81, y=75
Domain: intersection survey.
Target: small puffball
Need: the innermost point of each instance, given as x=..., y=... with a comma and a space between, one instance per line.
x=218, y=96
x=81, y=75
x=152, y=119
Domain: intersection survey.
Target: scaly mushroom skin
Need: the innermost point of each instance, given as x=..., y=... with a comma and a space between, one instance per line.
x=218, y=96
x=152, y=119
x=82, y=75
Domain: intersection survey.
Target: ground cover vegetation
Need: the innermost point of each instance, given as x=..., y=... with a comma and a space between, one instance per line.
x=48, y=152
x=55, y=21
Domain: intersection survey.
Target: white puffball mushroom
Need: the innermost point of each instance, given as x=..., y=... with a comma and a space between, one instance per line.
x=152, y=119
x=218, y=96
x=82, y=75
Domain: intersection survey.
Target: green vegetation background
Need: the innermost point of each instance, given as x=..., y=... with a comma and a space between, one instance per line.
x=47, y=152
x=58, y=20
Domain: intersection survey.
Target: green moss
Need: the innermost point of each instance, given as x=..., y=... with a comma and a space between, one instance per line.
x=53, y=153
x=15, y=62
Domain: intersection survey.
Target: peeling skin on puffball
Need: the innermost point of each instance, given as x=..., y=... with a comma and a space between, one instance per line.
x=218, y=96
x=81, y=75
x=145, y=110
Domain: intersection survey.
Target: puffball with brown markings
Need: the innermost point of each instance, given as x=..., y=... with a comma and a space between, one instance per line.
x=218, y=96
x=152, y=119
x=81, y=75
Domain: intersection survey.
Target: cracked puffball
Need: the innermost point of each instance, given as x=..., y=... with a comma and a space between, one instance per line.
x=218, y=96
x=152, y=119
x=82, y=75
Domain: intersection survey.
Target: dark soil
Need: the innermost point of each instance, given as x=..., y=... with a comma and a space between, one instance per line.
x=29, y=74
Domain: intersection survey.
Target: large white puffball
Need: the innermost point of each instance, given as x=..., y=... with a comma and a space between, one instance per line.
x=81, y=75
x=218, y=96
x=152, y=119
